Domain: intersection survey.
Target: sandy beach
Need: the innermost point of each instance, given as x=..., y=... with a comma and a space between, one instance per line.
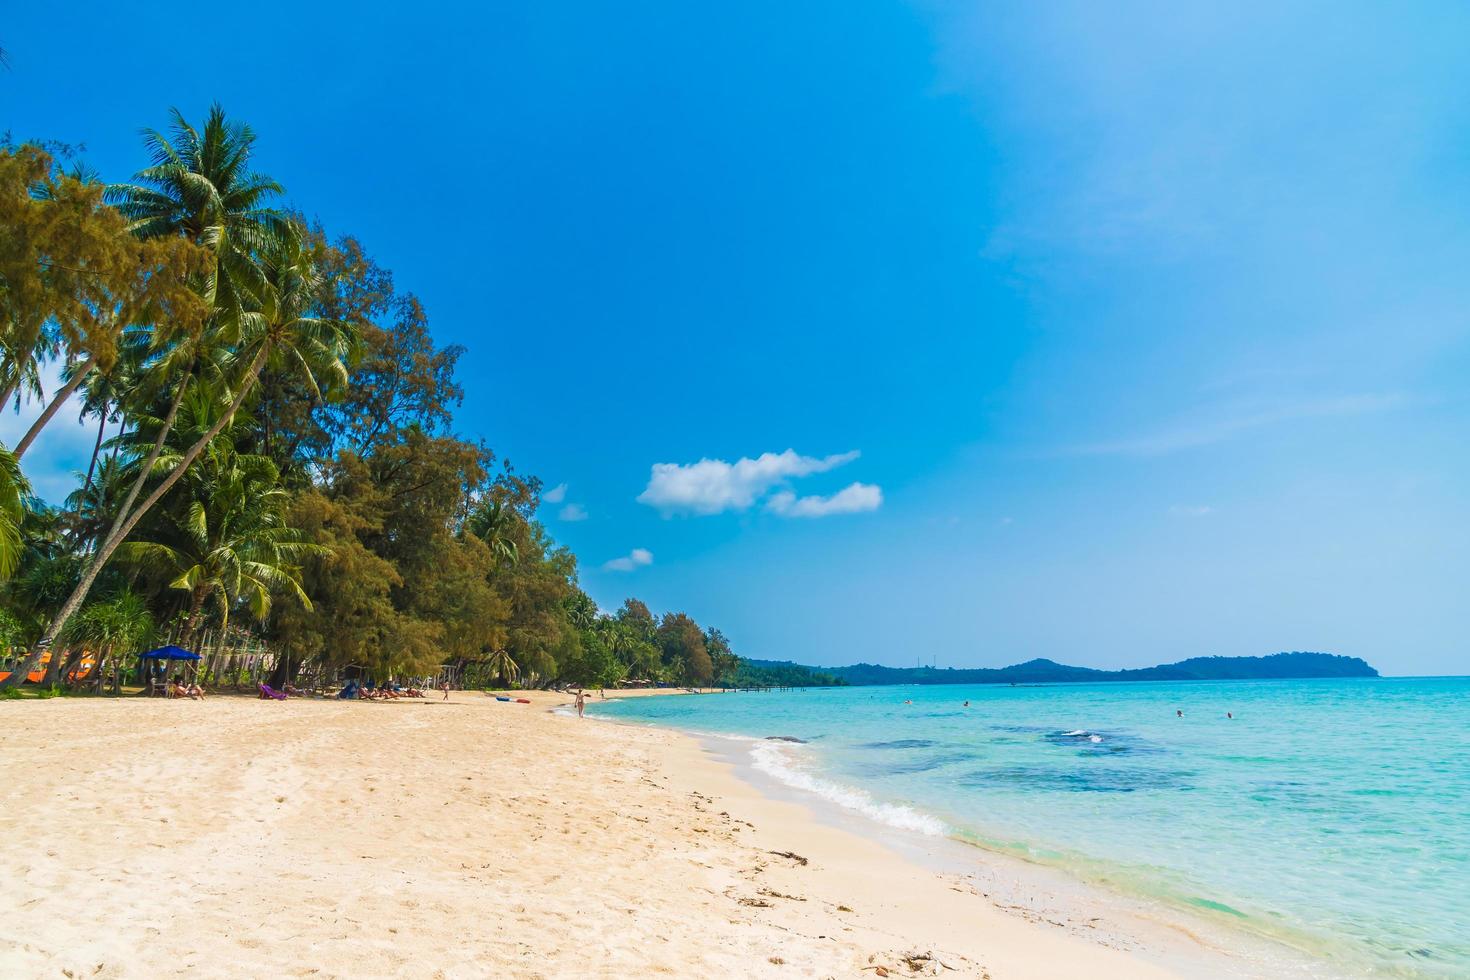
x=464, y=838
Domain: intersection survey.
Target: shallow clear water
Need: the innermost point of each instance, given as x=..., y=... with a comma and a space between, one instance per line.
x=1333, y=814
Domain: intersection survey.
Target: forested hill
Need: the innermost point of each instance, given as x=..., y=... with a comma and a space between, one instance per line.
x=1276, y=666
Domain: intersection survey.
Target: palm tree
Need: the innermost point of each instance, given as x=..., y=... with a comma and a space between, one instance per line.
x=13, y=493
x=502, y=667
x=103, y=391
x=20, y=363
x=119, y=624
x=493, y=522
x=581, y=610
x=230, y=542
x=278, y=330
x=92, y=507
x=201, y=187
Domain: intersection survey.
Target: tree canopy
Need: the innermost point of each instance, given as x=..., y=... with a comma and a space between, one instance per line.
x=283, y=464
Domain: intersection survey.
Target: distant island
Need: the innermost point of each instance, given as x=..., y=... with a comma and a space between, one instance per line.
x=1278, y=666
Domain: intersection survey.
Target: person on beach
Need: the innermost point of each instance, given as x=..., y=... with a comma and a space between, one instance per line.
x=581, y=702
x=445, y=688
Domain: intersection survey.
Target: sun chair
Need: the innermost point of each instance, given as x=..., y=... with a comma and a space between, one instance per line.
x=266, y=691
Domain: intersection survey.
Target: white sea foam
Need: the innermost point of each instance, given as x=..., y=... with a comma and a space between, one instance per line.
x=778, y=760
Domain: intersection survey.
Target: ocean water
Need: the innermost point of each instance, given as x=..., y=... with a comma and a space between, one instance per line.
x=1333, y=815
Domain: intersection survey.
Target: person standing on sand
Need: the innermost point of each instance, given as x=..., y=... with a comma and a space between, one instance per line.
x=445, y=688
x=581, y=702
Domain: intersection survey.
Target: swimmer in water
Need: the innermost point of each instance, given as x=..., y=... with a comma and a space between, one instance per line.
x=1229, y=715
x=1179, y=712
x=967, y=704
x=908, y=702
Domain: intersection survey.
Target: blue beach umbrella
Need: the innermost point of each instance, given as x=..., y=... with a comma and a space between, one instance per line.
x=171, y=652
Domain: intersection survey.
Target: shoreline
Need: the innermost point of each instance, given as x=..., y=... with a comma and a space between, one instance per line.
x=1190, y=941
x=458, y=838
x=916, y=906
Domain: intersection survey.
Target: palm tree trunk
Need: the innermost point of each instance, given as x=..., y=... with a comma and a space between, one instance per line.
x=104, y=653
x=146, y=469
x=96, y=449
x=9, y=392
x=125, y=524
x=78, y=376
x=196, y=606
x=73, y=661
x=53, y=669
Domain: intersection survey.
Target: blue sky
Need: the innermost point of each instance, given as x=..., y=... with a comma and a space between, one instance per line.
x=1108, y=333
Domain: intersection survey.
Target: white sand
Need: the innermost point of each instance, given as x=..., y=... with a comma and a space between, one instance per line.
x=236, y=837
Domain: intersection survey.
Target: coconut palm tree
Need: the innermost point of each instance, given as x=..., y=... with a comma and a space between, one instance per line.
x=229, y=542
x=13, y=493
x=493, y=522
x=502, y=666
x=104, y=391
x=90, y=509
x=283, y=333
x=20, y=364
x=581, y=610
x=201, y=187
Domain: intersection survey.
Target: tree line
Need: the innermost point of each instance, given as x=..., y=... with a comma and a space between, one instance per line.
x=275, y=453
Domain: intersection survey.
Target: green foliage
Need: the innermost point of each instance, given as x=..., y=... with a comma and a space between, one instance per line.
x=684, y=653
x=772, y=673
x=13, y=491
x=592, y=664
x=12, y=631
x=72, y=276
x=225, y=537
x=200, y=189
x=283, y=431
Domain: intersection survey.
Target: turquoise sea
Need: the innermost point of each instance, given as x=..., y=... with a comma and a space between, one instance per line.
x=1333, y=815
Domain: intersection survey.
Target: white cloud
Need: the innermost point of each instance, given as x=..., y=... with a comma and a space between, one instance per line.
x=573, y=512
x=711, y=486
x=636, y=558
x=853, y=499
x=556, y=494
x=1194, y=510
